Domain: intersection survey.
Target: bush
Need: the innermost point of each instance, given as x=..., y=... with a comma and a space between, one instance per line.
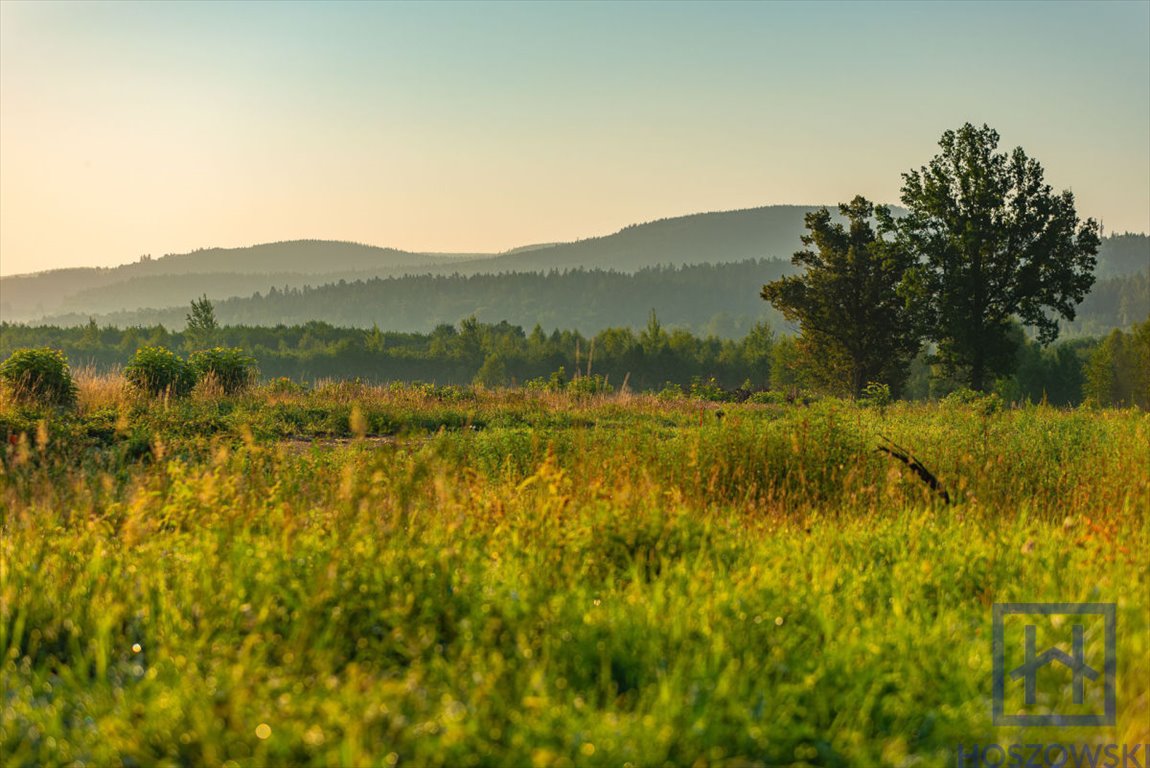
x=707, y=390
x=159, y=371
x=983, y=403
x=39, y=375
x=284, y=386
x=230, y=368
x=558, y=380
x=589, y=385
x=451, y=393
x=877, y=395
x=556, y=383
x=768, y=397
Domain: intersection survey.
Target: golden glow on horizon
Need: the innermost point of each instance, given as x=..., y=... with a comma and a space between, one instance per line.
x=132, y=129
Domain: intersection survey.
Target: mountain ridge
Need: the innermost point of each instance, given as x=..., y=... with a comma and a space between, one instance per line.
x=151, y=285
x=708, y=237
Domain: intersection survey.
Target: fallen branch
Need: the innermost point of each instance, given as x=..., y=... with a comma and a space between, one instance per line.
x=906, y=457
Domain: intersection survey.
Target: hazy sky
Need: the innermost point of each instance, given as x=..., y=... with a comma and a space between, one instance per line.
x=132, y=128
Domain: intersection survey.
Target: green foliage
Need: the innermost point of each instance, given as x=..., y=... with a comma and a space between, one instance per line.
x=788, y=365
x=91, y=337
x=569, y=584
x=993, y=242
x=855, y=327
x=1123, y=253
x=38, y=376
x=589, y=385
x=980, y=402
x=159, y=371
x=768, y=397
x=654, y=338
x=1118, y=372
x=318, y=351
x=876, y=394
x=232, y=369
x=493, y=372
x=283, y=385
x=708, y=389
x=201, y=327
x=556, y=382
x=1114, y=302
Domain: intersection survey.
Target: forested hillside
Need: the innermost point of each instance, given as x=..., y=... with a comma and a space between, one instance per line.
x=719, y=299
x=216, y=271
x=586, y=285
x=704, y=238
x=220, y=273
x=1123, y=254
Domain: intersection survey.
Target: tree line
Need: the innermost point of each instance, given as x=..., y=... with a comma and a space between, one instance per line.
x=707, y=299
x=1114, y=370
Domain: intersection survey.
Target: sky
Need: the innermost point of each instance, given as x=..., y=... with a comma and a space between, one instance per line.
x=134, y=128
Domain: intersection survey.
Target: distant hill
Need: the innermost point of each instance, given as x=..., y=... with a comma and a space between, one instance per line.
x=244, y=281
x=219, y=272
x=175, y=279
x=312, y=257
x=708, y=299
x=772, y=232
x=718, y=299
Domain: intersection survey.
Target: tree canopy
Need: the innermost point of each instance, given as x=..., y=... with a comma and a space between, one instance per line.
x=201, y=324
x=855, y=327
x=992, y=241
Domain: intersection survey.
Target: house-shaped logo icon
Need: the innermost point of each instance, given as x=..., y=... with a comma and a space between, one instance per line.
x=1029, y=670
x=1035, y=663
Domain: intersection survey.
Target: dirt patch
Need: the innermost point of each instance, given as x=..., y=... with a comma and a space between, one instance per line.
x=303, y=444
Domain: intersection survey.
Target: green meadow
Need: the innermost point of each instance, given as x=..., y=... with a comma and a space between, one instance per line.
x=378, y=576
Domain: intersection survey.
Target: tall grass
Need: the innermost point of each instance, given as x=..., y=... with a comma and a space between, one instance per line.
x=96, y=391
x=530, y=579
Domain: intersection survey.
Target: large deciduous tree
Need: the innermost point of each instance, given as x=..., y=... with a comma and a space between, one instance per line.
x=992, y=241
x=854, y=326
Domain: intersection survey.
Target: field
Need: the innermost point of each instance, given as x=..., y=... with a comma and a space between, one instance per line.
x=437, y=576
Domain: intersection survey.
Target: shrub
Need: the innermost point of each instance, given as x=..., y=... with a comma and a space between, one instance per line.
x=558, y=380
x=230, y=368
x=876, y=394
x=451, y=393
x=159, y=371
x=556, y=383
x=349, y=390
x=39, y=375
x=707, y=390
x=983, y=403
x=589, y=385
x=768, y=397
x=284, y=386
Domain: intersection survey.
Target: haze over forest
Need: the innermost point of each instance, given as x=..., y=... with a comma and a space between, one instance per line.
x=699, y=272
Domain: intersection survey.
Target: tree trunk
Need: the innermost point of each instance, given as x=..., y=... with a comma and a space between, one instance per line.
x=978, y=372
